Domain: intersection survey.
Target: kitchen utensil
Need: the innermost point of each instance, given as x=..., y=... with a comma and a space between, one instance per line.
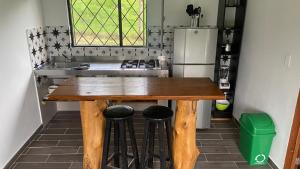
x=197, y=11
x=190, y=9
x=194, y=14
x=195, y=21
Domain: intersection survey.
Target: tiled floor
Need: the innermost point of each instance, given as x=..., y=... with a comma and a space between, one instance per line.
x=59, y=146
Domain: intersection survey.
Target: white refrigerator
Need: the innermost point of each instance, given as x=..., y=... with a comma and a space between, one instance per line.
x=194, y=56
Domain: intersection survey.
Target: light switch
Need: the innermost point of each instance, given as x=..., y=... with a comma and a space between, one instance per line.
x=288, y=61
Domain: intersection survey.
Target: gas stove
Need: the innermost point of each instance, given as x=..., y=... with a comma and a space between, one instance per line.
x=141, y=64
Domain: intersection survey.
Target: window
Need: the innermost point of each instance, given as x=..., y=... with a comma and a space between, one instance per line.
x=108, y=22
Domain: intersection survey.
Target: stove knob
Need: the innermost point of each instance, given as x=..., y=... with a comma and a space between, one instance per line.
x=129, y=66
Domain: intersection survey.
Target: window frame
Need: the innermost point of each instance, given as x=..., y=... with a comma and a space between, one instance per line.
x=70, y=20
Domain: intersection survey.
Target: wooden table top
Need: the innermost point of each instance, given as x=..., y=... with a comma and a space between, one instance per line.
x=136, y=88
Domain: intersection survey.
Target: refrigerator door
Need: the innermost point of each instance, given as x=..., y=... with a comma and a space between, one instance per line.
x=179, y=45
x=178, y=70
x=194, y=71
x=200, y=46
x=199, y=71
x=203, y=107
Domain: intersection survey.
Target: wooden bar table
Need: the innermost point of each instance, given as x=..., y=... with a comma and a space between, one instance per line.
x=95, y=92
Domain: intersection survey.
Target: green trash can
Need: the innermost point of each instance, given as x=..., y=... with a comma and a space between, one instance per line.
x=257, y=131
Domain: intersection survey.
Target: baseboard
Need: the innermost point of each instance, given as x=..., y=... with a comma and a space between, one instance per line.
x=272, y=164
x=217, y=120
x=236, y=121
x=14, y=158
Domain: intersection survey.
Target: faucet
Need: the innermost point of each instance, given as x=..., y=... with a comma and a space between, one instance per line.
x=68, y=59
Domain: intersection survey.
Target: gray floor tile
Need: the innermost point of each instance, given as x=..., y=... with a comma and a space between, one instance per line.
x=32, y=158
x=42, y=166
x=217, y=130
x=224, y=125
x=233, y=149
x=61, y=137
x=43, y=143
x=227, y=142
x=224, y=157
x=64, y=121
x=215, y=165
x=66, y=158
x=80, y=150
x=64, y=125
x=76, y=166
x=54, y=131
x=230, y=136
x=214, y=136
x=64, y=116
x=74, y=131
x=214, y=150
x=70, y=143
x=201, y=157
x=52, y=150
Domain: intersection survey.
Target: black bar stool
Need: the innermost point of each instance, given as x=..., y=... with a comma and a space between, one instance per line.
x=118, y=115
x=156, y=116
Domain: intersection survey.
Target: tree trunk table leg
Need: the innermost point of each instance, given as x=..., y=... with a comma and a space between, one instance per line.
x=93, y=125
x=185, y=151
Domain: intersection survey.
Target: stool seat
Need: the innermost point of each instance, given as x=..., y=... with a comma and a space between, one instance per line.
x=157, y=112
x=118, y=112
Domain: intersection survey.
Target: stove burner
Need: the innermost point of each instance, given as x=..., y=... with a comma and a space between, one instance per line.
x=140, y=64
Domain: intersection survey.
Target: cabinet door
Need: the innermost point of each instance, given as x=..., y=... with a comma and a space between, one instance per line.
x=200, y=46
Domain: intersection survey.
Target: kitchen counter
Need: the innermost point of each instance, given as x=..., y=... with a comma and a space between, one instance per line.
x=96, y=69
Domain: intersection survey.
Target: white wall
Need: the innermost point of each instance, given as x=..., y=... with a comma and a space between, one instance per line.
x=55, y=12
x=20, y=115
x=175, y=13
x=265, y=82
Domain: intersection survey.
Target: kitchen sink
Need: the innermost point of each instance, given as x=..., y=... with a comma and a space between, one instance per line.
x=71, y=65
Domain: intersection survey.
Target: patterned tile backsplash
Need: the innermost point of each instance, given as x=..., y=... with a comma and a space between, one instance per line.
x=37, y=46
x=56, y=41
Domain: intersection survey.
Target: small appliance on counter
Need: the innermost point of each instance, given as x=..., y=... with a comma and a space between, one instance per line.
x=224, y=74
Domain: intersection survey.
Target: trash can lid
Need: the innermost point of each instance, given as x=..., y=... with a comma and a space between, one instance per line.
x=257, y=123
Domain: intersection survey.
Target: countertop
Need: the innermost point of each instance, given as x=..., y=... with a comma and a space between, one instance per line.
x=112, y=68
